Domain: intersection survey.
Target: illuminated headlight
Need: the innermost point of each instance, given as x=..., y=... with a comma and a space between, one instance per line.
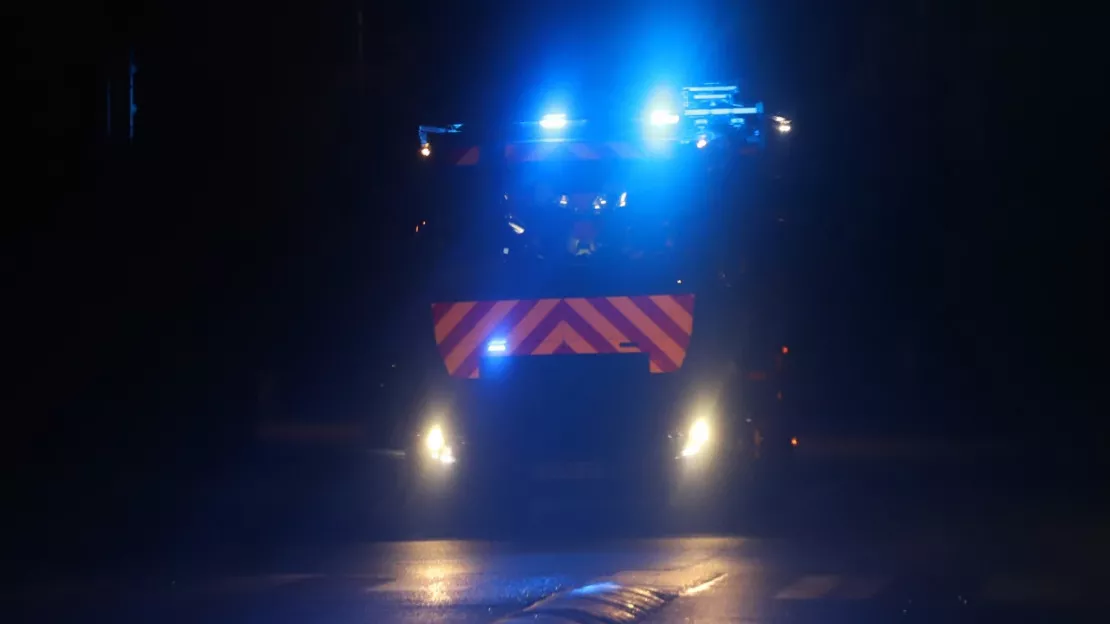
x=697, y=438
x=623, y=200
x=435, y=442
x=784, y=128
x=663, y=118
x=447, y=456
x=426, y=149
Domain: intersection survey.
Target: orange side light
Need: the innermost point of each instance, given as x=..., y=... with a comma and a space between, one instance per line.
x=785, y=349
x=793, y=441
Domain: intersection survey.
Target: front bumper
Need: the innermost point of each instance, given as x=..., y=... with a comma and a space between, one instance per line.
x=500, y=491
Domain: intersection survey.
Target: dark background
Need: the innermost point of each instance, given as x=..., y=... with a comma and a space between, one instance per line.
x=244, y=255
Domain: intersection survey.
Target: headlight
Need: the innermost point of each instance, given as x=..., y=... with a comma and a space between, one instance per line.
x=436, y=444
x=434, y=441
x=697, y=438
x=447, y=456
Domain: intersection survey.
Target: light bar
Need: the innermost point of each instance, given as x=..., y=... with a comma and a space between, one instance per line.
x=745, y=110
x=717, y=88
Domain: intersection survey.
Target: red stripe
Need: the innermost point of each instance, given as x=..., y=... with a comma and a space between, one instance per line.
x=588, y=332
x=664, y=322
x=563, y=349
x=469, y=321
x=542, y=329
x=516, y=315
x=439, y=310
x=686, y=301
x=626, y=327
x=474, y=358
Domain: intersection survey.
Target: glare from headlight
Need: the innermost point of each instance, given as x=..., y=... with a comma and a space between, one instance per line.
x=697, y=438
x=447, y=456
x=700, y=431
x=434, y=441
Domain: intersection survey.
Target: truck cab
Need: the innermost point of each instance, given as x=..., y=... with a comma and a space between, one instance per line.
x=582, y=307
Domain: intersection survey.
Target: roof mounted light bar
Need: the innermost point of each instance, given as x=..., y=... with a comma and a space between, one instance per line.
x=715, y=99
x=714, y=87
x=706, y=110
x=740, y=110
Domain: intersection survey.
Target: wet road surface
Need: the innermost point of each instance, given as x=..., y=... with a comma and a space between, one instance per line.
x=697, y=579
x=870, y=544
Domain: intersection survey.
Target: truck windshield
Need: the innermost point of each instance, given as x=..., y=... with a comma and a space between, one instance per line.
x=573, y=228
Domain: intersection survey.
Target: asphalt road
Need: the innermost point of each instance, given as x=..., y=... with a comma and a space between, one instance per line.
x=859, y=544
x=697, y=579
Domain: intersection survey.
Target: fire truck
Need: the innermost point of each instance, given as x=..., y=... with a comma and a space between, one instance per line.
x=595, y=319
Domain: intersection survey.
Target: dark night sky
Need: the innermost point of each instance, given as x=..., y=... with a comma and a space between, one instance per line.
x=255, y=223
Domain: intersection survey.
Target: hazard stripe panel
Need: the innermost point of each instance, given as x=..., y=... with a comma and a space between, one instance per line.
x=657, y=325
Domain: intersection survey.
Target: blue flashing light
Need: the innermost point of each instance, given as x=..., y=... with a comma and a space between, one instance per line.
x=663, y=118
x=496, y=346
x=554, y=121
